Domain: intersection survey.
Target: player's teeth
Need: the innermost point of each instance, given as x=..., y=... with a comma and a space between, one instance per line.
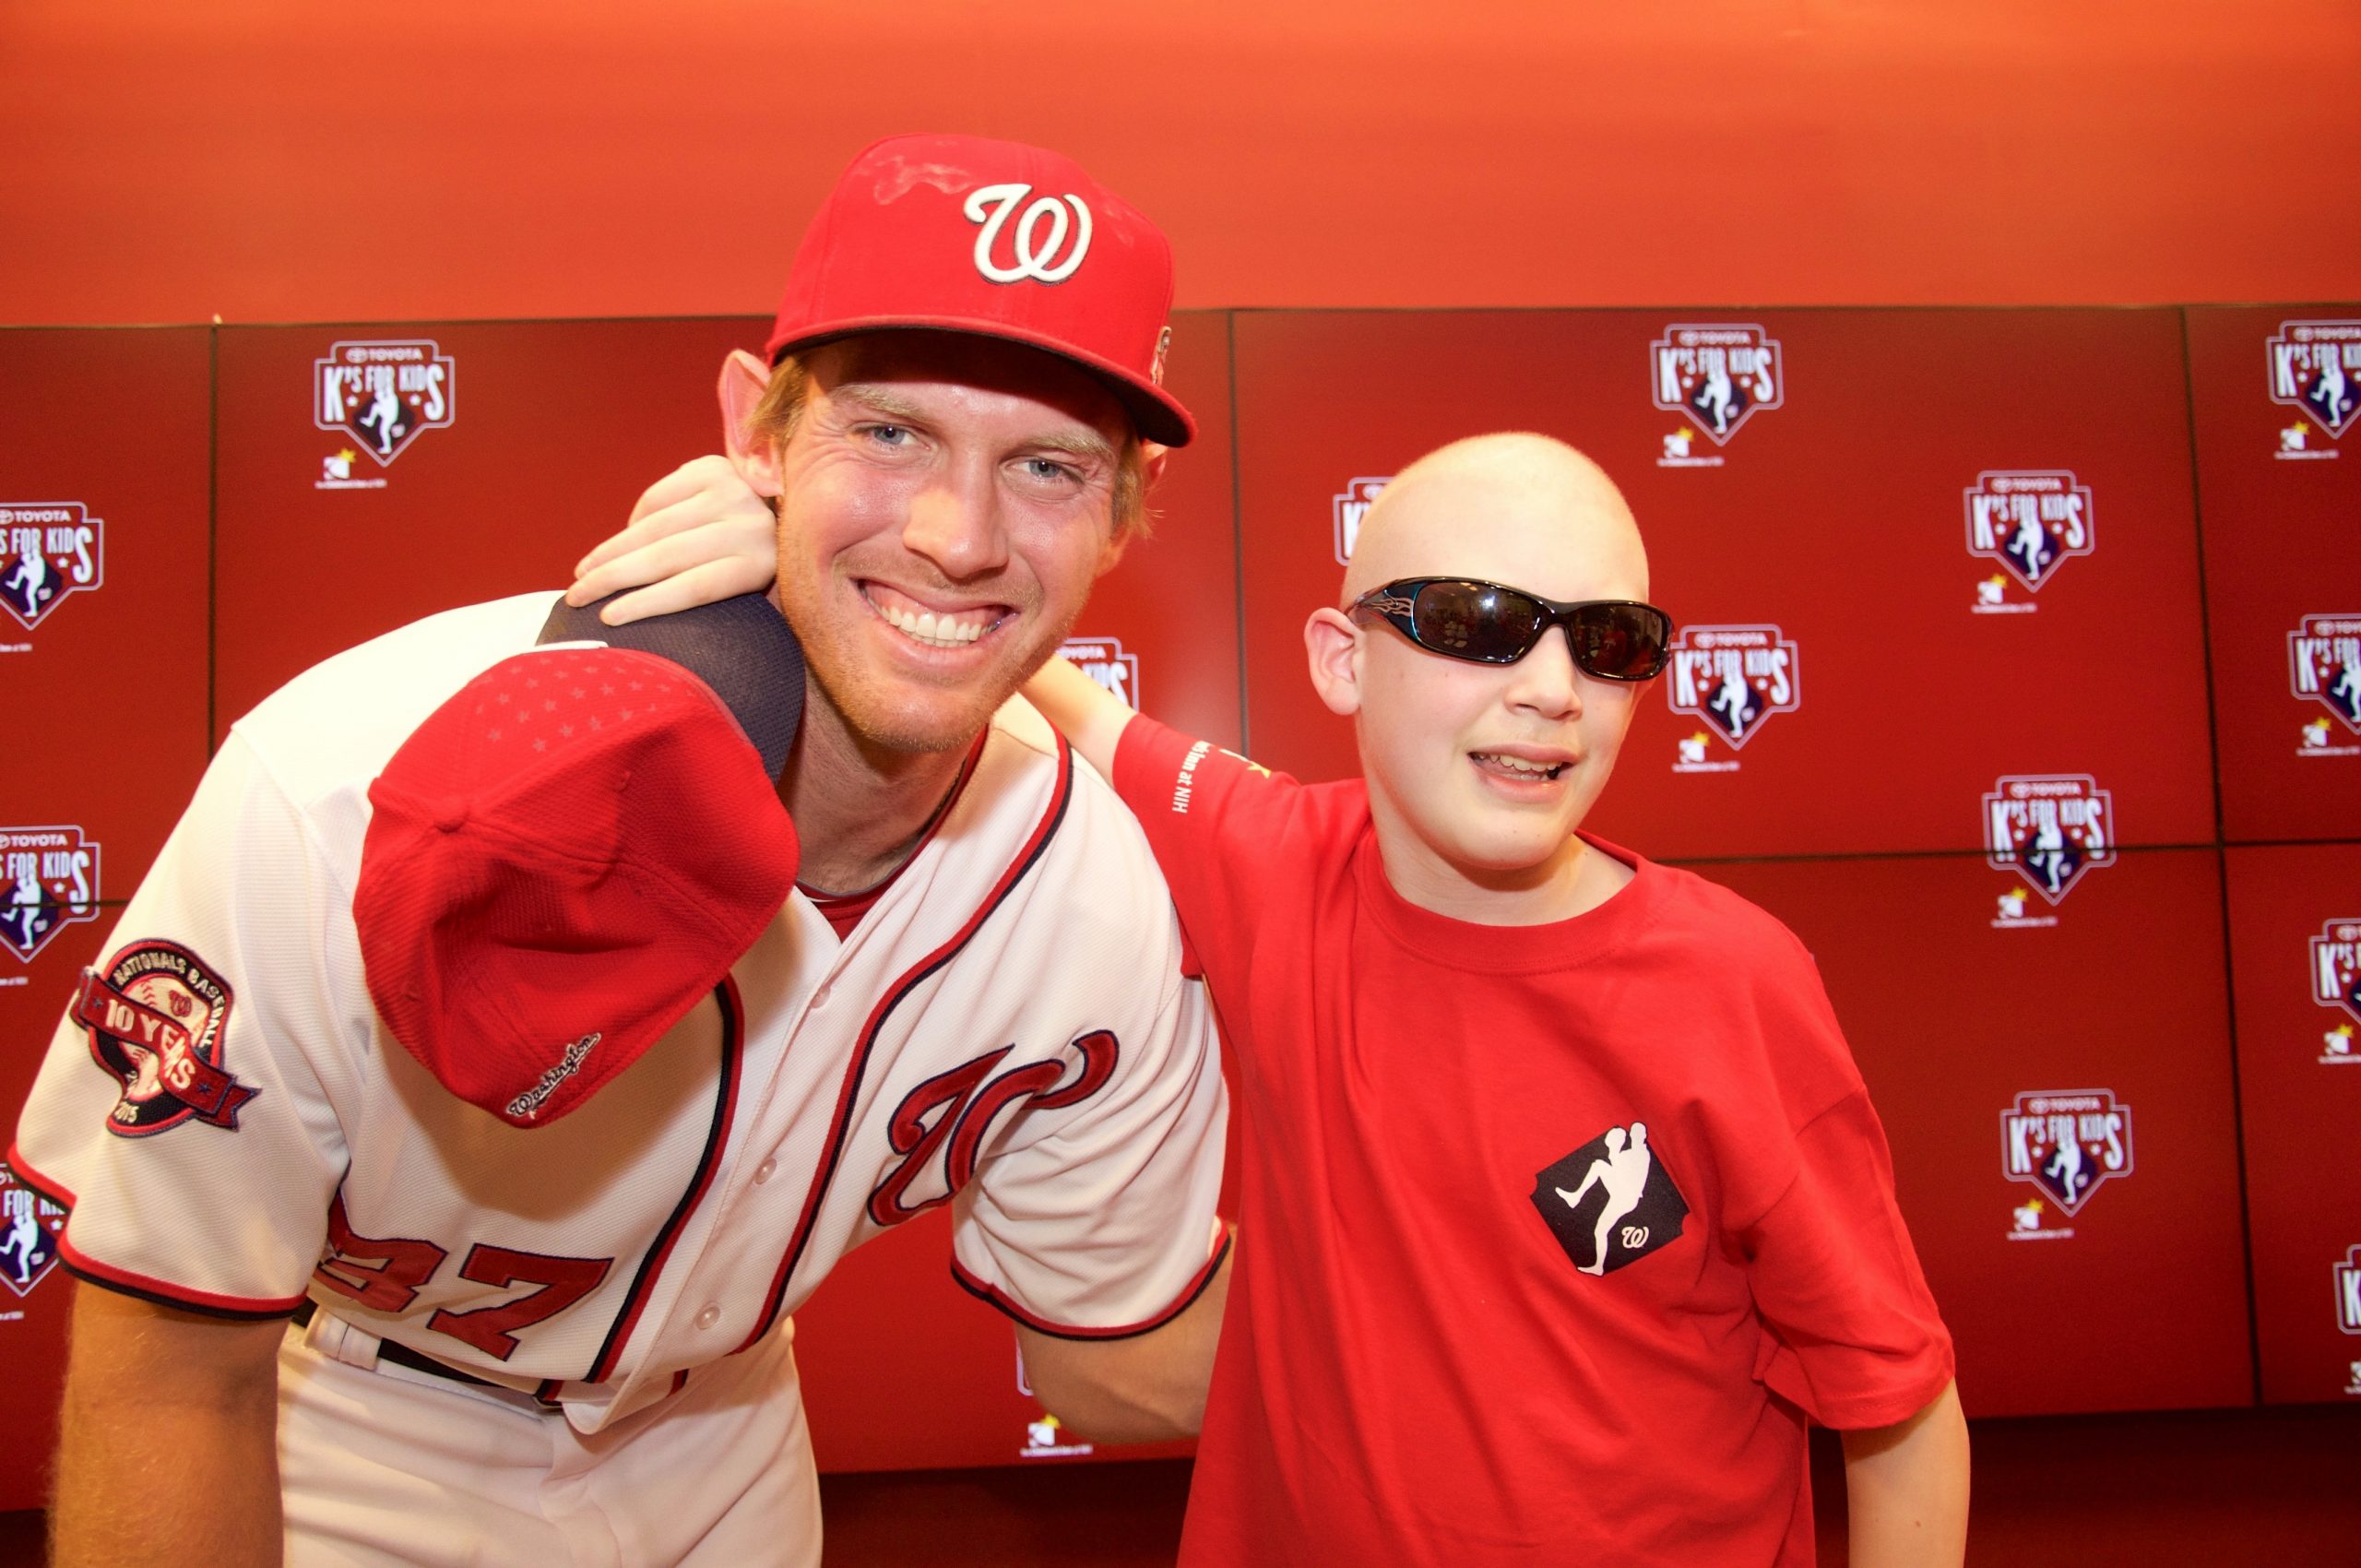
x=935, y=630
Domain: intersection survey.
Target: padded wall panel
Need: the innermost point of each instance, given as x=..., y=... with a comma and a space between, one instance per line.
x=1934, y=555
x=1973, y=1039
x=2275, y=398
x=2296, y=966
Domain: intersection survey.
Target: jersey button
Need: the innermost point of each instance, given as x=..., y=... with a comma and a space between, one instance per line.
x=819, y=1000
x=708, y=1317
x=762, y=1172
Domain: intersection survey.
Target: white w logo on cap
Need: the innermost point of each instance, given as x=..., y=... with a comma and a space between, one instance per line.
x=1031, y=261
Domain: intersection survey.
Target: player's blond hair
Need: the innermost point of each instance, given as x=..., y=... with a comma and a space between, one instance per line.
x=775, y=419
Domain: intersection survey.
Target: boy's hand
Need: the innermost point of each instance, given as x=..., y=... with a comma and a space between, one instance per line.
x=698, y=535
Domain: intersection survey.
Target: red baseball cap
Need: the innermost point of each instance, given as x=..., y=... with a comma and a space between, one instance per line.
x=564, y=859
x=999, y=239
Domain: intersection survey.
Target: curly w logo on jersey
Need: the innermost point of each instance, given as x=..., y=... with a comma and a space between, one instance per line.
x=384, y=394
x=2316, y=366
x=2048, y=829
x=1720, y=376
x=49, y=880
x=156, y=1018
x=2066, y=1142
x=48, y=549
x=2030, y=520
x=1735, y=678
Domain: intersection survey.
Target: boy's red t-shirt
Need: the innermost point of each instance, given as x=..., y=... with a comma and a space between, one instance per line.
x=1442, y=1122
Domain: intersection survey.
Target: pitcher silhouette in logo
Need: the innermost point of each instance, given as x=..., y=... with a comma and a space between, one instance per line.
x=2331, y=391
x=1623, y=1176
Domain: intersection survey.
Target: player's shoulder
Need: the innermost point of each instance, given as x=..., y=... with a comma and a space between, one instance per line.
x=345, y=715
x=1096, y=848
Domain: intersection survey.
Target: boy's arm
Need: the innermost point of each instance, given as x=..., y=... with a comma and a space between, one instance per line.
x=1906, y=1487
x=698, y=536
x=1090, y=716
x=1144, y=1388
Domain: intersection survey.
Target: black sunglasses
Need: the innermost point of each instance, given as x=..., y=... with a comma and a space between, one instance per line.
x=1615, y=639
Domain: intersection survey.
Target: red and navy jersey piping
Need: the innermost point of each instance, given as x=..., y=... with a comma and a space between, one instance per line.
x=896, y=994
x=123, y=1282
x=603, y=1366
x=986, y=1291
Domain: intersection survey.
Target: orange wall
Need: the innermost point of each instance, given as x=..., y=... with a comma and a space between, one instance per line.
x=433, y=158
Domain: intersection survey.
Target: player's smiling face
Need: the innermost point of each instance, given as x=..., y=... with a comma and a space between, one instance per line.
x=945, y=503
x=1479, y=774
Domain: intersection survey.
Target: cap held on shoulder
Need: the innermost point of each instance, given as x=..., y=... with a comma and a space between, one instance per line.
x=564, y=859
x=964, y=234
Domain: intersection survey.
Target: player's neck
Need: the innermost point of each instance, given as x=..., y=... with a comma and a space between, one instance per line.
x=860, y=809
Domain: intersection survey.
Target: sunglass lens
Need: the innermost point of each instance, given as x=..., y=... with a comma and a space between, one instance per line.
x=1476, y=619
x=1623, y=642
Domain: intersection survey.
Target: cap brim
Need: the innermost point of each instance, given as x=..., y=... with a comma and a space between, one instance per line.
x=1157, y=414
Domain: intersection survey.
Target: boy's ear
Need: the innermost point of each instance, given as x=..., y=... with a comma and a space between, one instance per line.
x=1333, y=646
x=744, y=379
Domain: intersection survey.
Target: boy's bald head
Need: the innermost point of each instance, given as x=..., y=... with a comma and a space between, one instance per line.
x=1481, y=506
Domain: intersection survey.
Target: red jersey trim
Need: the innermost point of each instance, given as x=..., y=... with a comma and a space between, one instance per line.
x=123, y=1281
x=1061, y=795
x=734, y=1015
x=984, y=1291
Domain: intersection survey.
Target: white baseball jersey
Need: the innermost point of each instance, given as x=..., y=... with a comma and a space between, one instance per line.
x=1007, y=1032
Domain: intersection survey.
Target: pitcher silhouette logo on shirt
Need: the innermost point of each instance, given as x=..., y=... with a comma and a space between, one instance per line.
x=1611, y=1202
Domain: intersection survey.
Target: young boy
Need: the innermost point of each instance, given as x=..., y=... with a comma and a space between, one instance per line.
x=1563, y=1203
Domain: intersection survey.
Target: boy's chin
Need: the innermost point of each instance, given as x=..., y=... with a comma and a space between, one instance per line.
x=1489, y=853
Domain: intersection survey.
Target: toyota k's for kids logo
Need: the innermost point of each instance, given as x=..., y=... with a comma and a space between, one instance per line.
x=49, y=880
x=1732, y=679
x=2064, y=1142
x=2348, y=1302
x=2048, y=829
x=384, y=392
x=1104, y=660
x=2337, y=972
x=1716, y=378
x=48, y=549
x=2324, y=666
x=2031, y=521
x=1348, y=506
x=29, y=1227
x=2315, y=367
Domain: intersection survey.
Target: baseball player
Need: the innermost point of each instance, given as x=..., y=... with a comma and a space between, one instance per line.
x=518, y=1068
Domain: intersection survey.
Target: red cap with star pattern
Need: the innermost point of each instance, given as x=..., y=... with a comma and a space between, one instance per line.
x=564, y=859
